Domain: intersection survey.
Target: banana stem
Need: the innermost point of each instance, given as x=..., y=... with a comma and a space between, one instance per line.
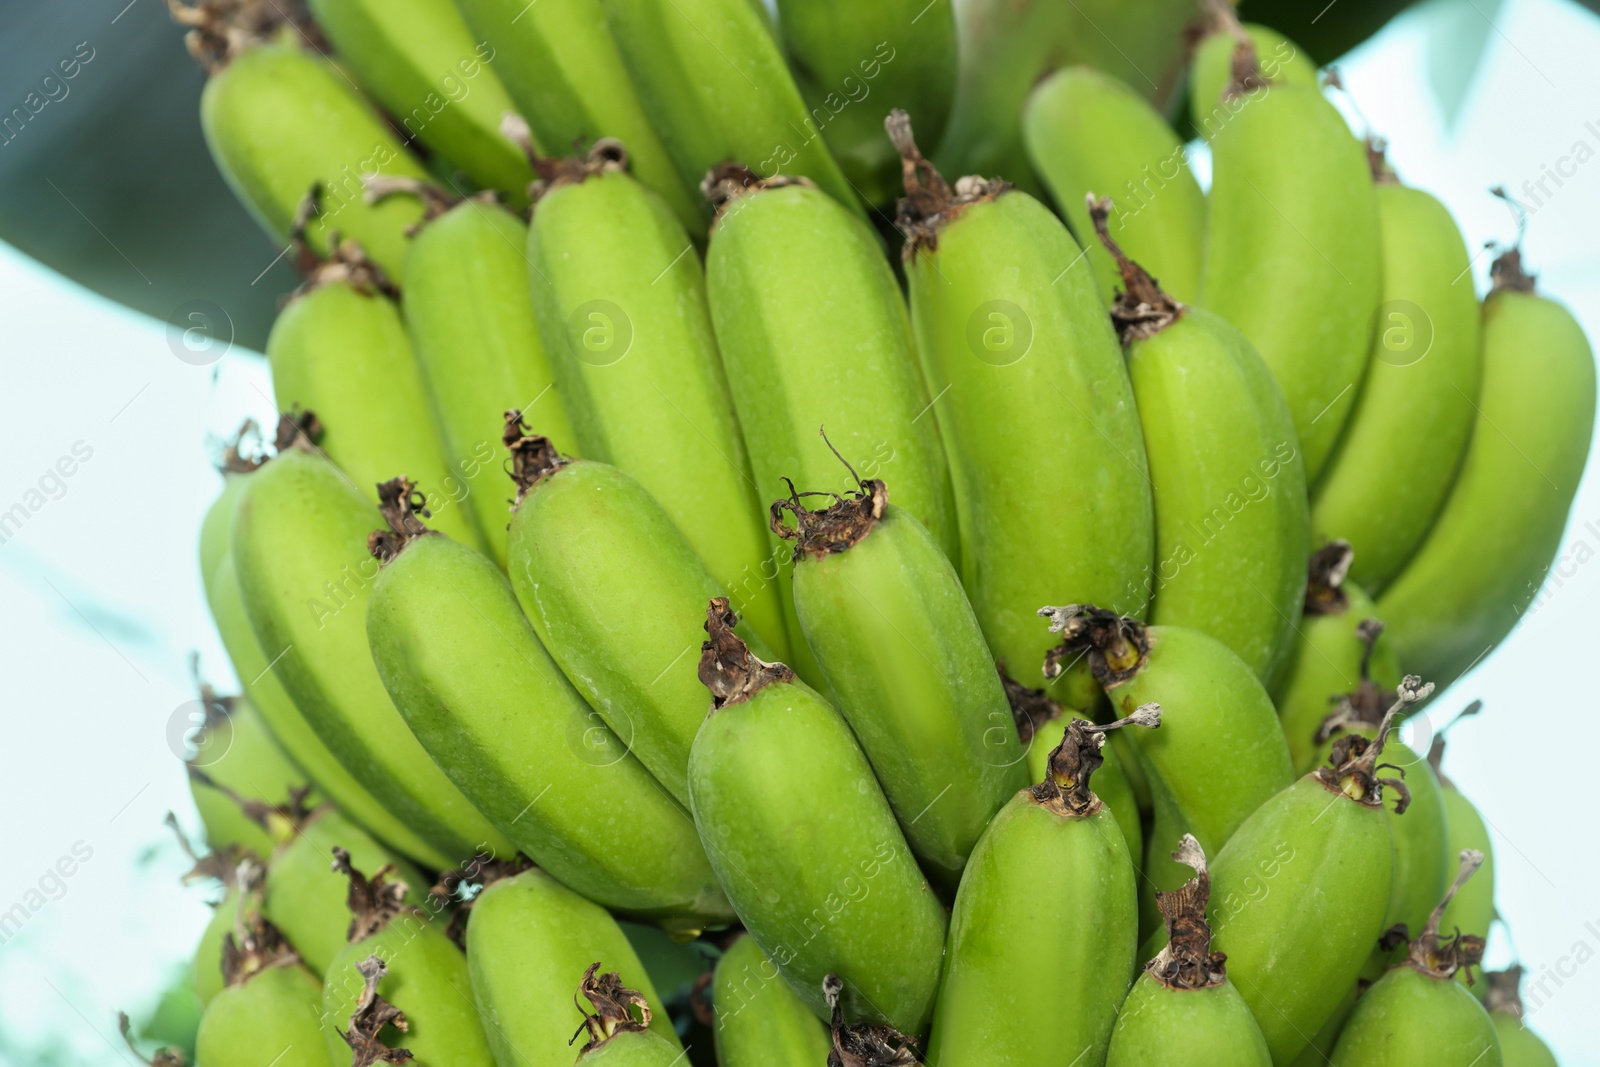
x=1186, y=961
x=864, y=1044
x=1141, y=310
x=1440, y=957
x=1325, y=575
x=1118, y=646
x=612, y=1002
x=372, y=1014
x=1065, y=789
x=372, y=902
x=727, y=666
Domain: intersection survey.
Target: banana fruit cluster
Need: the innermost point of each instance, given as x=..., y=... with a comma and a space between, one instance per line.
x=683, y=605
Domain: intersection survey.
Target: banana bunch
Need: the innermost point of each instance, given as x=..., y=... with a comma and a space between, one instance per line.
x=666, y=618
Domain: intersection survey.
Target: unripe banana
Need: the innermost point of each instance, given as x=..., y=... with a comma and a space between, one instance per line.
x=1419, y=827
x=1419, y=397
x=1219, y=754
x=1045, y=924
x=1182, y=1007
x=1086, y=132
x=293, y=731
x=1041, y=724
x=1292, y=254
x=262, y=686
x=305, y=897
x=1230, y=494
x=1472, y=907
x=713, y=80
x=237, y=765
x=759, y=1021
x=1481, y=564
x=1302, y=888
x=805, y=842
x=280, y=121
x=341, y=351
x=854, y=61
x=270, y=1011
x=466, y=308
x=1417, y=1013
x=498, y=716
x=1046, y=455
x=1282, y=61
x=616, y=595
x=528, y=937
x=300, y=546
x=618, y=1037
x=1338, y=643
x=396, y=951
x=882, y=610
x=418, y=59
x=1006, y=46
x=621, y=303
x=1519, y=1046
x=814, y=333
x=233, y=910
x=561, y=65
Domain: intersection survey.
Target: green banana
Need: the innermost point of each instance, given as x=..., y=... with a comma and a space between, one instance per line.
x=1419, y=826
x=561, y=65
x=1041, y=724
x=528, y=938
x=419, y=60
x=1087, y=133
x=1230, y=493
x=621, y=303
x=1007, y=46
x=1211, y=71
x=281, y=121
x=205, y=966
x=1292, y=250
x=240, y=877
x=854, y=61
x=398, y=952
x=814, y=333
x=713, y=80
x=1338, y=644
x=1472, y=907
x=340, y=349
x=1481, y=564
x=618, y=1038
x=489, y=704
x=299, y=540
x=1182, y=1007
x=613, y=591
x=759, y=1020
x=1519, y=1046
x=238, y=768
x=1046, y=456
x=262, y=687
x=1302, y=888
x=304, y=895
x=1219, y=754
x=882, y=610
x=1045, y=924
x=466, y=309
x=1417, y=1013
x=1417, y=401
x=270, y=1011
x=804, y=841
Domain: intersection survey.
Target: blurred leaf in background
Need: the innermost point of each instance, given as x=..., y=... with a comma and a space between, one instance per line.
x=104, y=172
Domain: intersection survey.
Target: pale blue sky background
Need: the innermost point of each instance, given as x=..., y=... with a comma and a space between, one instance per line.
x=102, y=600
